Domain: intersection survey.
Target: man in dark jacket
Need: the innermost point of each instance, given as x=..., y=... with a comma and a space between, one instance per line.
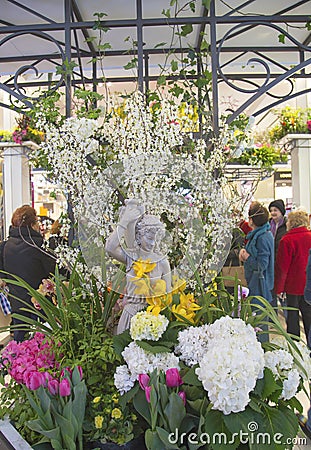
x=24, y=256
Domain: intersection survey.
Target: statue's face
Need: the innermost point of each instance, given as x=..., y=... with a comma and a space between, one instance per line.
x=148, y=241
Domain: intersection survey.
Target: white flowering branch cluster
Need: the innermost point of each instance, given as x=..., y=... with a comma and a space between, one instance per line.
x=147, y=164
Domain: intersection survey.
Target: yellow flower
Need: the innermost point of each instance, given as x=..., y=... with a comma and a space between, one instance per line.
x=142, y=267
x=181, y=311
x=159, y=287
x=96, y=399
x=155, y=305
x=99, y=422
x=115, y=398
x=116, y=413
x=142, y=288
x=186, y=307
x=178, y=284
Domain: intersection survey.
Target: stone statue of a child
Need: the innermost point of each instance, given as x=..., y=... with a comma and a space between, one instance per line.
x=142, y=234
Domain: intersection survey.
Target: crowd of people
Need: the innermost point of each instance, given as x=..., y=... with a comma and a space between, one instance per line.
x=277, y=266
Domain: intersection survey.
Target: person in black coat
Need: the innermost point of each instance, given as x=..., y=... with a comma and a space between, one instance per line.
x=278, y=229
x=23, y=255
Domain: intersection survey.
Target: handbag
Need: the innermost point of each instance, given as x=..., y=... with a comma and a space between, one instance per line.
x=232, y=272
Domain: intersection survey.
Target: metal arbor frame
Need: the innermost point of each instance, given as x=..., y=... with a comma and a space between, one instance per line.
x=257, y=84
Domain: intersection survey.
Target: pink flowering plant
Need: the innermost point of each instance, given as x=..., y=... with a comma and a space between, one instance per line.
x=161, y=400
x=57, y=396
x=59, y=402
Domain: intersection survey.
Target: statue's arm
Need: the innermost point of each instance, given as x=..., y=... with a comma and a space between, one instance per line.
x=113, y=244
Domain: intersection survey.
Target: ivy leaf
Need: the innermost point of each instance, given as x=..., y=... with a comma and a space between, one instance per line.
x=166, y=13
x=161, y=44
x=206, y=3
x=186, y=29
x=161, y=80
x=174, y=66
x=281, y=38
x=131, y=64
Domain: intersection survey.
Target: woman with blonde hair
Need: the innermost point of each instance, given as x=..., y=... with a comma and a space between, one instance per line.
x=290, y=270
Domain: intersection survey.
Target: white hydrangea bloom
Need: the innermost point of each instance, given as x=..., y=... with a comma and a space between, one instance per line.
x=233, y=362
x=139, y=361
x=123, y=380
x=192, y=344
x=290, y=385
x=145, y=325
x=278, y=361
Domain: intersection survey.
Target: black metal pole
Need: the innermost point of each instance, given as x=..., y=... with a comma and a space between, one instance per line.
x=140, y=44
x=68, y=55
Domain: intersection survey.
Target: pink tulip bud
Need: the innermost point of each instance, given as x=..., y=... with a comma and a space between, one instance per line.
x=53, y=386
x=80, y=372
x=64, y=388
x=147, y=392
x=173, y=379
x=66, y=370
x=182, y=395
x=35, y=380
x=143, y=380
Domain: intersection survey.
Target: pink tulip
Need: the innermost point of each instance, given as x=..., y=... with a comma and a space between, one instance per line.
x=64, y=388
x=53, y=386
x=147, y=392
x=182, y=395
x=80, y=372
x=35, y=380
x=143, y=380
x=66, y=370
x=173, y=379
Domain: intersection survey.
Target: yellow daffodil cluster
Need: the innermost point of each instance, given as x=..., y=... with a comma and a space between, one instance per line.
x=186, y=308
x=157, y=297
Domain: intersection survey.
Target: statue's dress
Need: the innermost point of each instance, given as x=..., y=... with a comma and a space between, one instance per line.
x=133, y=303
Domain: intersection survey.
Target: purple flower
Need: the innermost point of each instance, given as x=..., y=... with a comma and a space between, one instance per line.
x=147, y=392
x=182, y=395
x=66, y=370
x=242, y=292
x=143, y=379
x=173, y=379
x=64, y=388
x=35, y=380
x=53, y=386
x=80, y=372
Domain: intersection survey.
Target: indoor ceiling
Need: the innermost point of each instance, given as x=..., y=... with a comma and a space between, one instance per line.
x=34, y=32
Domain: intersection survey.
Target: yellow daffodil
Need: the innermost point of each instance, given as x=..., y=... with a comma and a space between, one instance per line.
x=178, y=284
x=142, y=267
x=96, y=400
x=155, y=305
x=98, y=422
x=159, y=287
x=142, y=287
x=181, y=311
x=116, y=413
x=186, y=307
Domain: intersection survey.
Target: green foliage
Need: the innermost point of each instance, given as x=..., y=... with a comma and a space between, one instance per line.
x=290, y=120
x=81, y=322
x=14, y=404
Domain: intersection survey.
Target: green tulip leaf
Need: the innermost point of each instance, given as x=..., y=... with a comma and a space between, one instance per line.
x=175, y=411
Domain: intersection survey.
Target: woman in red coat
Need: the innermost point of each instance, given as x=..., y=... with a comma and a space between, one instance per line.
x=290, y=270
